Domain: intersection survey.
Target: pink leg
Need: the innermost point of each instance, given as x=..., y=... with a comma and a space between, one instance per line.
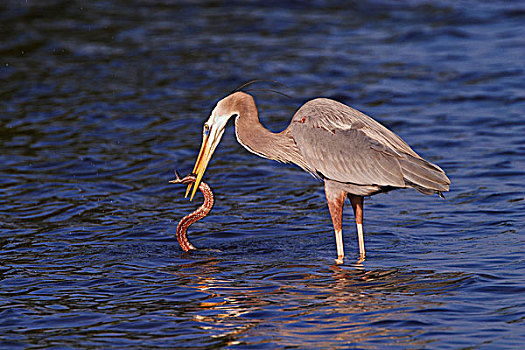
x=357, y=205
x=336, y=199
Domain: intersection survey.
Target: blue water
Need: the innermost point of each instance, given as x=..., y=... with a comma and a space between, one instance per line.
x=102, y=100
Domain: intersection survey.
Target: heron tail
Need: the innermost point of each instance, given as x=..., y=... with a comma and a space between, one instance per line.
x=424, y=176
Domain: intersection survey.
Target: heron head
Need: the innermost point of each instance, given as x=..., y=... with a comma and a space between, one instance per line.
x=212, y=132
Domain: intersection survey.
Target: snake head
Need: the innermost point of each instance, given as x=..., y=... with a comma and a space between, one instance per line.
x=186, y=179
x=177, y=179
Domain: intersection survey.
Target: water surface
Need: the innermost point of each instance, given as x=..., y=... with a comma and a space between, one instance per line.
x=102, y=100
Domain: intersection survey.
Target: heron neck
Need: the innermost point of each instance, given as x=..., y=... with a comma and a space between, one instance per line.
x=253, y=136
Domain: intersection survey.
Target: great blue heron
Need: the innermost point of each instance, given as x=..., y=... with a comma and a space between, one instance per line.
x=354, y=154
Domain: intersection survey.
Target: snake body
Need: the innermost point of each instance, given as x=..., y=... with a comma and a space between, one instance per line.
x=195, y=216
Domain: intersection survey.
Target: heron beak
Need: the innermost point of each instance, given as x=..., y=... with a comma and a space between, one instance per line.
x=200, y=165
x=210, y=141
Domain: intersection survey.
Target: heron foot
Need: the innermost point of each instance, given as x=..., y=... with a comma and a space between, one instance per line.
x=339, y=260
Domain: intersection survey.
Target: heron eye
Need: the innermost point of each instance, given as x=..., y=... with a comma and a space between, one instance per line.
x=206, y=129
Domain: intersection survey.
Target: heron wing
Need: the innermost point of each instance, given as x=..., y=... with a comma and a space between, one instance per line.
x=346, y=145
x=347, y=156
x=330, y=114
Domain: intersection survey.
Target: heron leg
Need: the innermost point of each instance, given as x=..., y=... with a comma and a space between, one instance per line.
x=357, y=205
x=336, y=199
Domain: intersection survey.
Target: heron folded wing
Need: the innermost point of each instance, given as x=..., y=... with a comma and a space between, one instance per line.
x=424, y=176
x=333, y=115
x=346, y=145
x=347, y=156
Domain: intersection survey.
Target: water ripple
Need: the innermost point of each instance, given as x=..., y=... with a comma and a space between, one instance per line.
x=101, y=102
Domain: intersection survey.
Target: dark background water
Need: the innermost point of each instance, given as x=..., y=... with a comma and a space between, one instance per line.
x=102, y=100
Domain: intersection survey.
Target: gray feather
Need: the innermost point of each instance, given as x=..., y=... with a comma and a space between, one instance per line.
x=347, y=146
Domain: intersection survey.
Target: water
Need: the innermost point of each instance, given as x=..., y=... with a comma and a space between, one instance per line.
x=102, y=100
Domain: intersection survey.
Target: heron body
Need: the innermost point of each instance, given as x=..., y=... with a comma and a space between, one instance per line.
x=352, y=153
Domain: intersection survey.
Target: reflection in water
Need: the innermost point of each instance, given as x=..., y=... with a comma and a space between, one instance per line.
x=302, y=307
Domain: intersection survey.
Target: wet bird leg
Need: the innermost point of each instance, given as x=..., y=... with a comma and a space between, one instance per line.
x=336, y=200
x=357, y=205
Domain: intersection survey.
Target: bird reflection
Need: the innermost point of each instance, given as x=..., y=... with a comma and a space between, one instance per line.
x=325, y=306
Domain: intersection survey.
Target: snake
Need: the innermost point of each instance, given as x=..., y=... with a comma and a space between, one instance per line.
x=196, y=215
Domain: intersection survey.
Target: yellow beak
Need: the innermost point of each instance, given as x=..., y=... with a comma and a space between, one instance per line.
x=213, y=131
x=200, y=165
